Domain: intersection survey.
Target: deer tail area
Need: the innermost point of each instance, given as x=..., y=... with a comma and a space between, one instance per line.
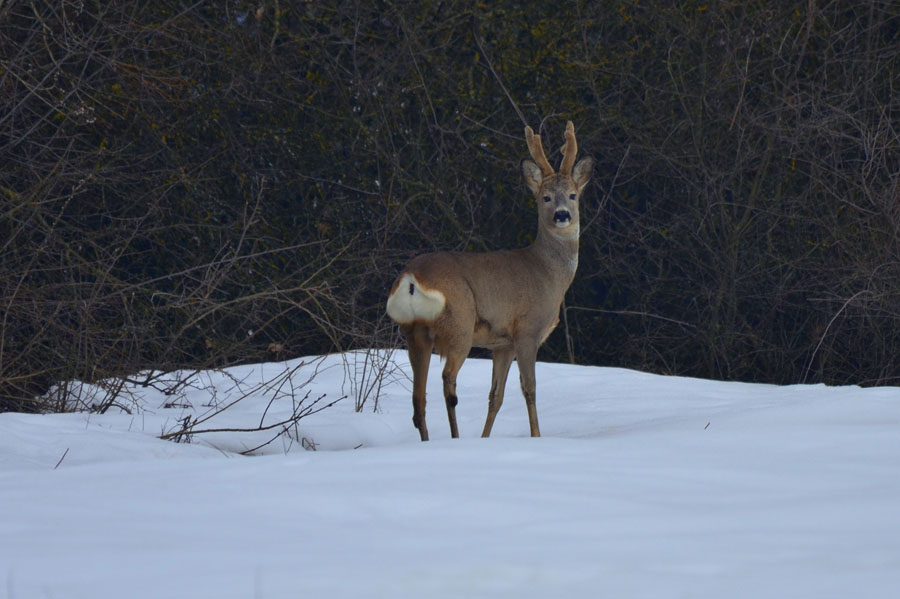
x=409, y=301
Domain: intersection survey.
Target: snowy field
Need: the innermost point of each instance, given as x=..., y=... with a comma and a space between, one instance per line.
x=642, y=486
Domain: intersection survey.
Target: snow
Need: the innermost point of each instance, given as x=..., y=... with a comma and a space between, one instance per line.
x=642, y=486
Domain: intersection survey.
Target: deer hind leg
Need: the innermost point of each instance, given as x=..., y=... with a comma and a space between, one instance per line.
x=526, y=356
x=455, y=358
x=419, y=343
x=502, y=359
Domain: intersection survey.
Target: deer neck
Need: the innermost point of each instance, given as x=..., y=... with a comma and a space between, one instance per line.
x=557, y=253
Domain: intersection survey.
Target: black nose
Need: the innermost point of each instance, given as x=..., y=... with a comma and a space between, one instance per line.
x=561, y=216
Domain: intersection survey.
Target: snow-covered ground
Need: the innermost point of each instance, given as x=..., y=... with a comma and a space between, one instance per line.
x=642, y=486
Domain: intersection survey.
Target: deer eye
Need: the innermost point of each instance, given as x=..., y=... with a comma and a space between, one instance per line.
x=571, y=196
x=546, y=198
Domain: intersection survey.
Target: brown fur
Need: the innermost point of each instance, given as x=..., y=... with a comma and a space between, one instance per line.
x=507, y=301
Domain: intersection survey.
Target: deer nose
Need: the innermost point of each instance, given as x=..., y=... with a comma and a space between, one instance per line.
x=561, y=216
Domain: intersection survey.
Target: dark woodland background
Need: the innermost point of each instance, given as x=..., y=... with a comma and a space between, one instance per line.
x=198, y=184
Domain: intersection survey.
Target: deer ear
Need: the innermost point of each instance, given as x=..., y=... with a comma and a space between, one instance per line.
x=533, y=176
x=581, y=174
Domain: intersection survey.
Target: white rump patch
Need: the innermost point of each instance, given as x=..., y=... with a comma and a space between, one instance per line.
x=410, y=301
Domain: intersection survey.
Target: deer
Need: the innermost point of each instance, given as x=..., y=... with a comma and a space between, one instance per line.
x=506, y=301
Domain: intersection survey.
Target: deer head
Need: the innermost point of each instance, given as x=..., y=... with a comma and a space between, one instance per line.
x=557, y=193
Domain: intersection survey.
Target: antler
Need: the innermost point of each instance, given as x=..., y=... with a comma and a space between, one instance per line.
x=537, y=151
x=569, y=150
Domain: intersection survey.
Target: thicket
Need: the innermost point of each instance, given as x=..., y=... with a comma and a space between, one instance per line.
x=199, y=184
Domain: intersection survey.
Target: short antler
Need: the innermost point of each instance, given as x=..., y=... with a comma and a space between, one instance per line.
x=537, y=151
x=570, y=150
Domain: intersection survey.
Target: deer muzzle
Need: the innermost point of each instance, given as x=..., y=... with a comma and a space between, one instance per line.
x=562, y=218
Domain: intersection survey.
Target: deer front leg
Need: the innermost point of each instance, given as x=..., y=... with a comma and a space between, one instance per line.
x=526, y=356
x=502, y=360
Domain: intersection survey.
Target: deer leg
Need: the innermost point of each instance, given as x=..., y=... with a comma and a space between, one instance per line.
x=526, y=356
x=502, y=360
x=451, y=368
x=419, y=344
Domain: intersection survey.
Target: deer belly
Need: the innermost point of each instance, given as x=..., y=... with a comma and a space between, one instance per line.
x=489, y=337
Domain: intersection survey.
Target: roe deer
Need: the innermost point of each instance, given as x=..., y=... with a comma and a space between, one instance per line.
x=507, y=301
